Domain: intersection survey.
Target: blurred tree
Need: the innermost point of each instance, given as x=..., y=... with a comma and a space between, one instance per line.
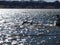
x=31, y=0
x=22, y=0
x=41, y=0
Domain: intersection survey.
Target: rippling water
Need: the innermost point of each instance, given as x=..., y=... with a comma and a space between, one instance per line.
x=29, y=27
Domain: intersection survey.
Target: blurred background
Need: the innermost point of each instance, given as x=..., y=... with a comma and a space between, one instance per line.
x=41, y=4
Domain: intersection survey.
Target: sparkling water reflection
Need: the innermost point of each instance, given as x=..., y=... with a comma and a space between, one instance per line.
x=29, y=27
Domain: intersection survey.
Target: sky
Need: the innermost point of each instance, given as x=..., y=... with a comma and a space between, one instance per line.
x=35, y=0
x=50, y=0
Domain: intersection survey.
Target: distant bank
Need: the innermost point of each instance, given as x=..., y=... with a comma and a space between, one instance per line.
x=40, y=5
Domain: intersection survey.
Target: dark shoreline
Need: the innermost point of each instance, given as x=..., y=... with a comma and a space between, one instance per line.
x=30, y=5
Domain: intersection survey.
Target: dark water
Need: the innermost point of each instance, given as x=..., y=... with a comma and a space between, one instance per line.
x=39, y=27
